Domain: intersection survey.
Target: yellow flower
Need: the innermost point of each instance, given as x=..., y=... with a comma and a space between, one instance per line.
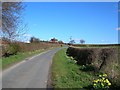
x=104, y=75
x=94, y=84
x=98, y=79
x=107, y=81
x=95, y=81
x=109, y=84
x=104, y=81
x=103, y=78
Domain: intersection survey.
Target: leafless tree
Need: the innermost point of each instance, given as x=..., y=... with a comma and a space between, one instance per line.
x=82, y=41
x=11, y=19
x=72, y=42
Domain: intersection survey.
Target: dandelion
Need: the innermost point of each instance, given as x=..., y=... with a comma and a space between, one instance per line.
x=107, y=81
x=103, y=78
x=100, y=75
x=101, y=82
x=94, y=84
x=95, y=81
x=109, y=84
x=104, y=75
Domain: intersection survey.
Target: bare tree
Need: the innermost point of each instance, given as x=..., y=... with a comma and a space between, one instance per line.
x=82, y=41
x=11, y=19
x=72, y=42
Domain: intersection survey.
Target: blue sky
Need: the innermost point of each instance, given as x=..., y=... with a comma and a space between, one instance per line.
x=95, y=22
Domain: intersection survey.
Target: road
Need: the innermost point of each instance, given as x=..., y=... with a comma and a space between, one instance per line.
x=30, y=73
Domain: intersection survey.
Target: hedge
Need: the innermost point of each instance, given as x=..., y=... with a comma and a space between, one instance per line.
x=15, y=47
x=104, y=60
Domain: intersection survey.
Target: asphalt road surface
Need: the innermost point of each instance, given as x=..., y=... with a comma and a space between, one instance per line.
x=30, y=73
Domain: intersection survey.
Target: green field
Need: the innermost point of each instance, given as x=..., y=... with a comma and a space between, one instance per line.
x=67, y=74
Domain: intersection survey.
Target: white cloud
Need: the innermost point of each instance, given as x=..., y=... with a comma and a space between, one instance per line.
x=27, y=41
x=27, y=35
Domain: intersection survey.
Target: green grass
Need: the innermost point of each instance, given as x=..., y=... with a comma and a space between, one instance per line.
x=11, y=60
x=67, y=74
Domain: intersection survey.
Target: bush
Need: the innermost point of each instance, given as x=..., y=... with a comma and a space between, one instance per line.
x=4, y=50
x=10, y=49
x=13, y=48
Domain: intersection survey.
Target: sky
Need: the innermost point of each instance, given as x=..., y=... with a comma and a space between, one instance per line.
x=95, y=22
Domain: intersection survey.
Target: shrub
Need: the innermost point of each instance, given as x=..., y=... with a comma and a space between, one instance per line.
x=13, y=48
x=4, y=50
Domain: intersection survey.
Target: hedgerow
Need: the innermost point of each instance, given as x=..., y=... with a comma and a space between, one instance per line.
x=104, y=60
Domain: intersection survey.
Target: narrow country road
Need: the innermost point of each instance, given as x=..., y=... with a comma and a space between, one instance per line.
x=30, y=73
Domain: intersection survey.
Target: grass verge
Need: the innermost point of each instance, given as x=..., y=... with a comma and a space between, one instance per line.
x=9, y=61
x=67, y=74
